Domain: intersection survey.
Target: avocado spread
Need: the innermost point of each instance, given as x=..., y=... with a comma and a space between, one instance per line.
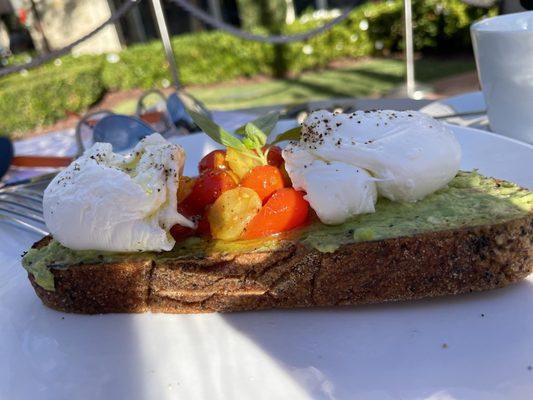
x=469, y=200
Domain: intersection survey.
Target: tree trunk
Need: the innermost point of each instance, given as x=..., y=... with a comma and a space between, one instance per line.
x=269, y=15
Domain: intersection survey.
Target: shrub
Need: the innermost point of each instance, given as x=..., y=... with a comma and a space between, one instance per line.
x=377, y=28
x=373, y=28
x=202, y=58
x=44, y=96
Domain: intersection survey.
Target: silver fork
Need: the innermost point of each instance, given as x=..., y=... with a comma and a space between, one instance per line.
x=21, y=204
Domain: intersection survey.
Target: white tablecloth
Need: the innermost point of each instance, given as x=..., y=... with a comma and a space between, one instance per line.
x=63, y=143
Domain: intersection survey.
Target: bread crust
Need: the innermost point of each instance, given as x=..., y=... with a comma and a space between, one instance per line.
x=426, y=265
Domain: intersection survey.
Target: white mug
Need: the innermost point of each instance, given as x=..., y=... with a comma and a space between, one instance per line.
x=503, y=47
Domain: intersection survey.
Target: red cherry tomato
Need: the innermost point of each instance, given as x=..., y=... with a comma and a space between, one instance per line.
x=214, y=160
x=207, y=188
x=204, y=229
x=286, y=209
x=265, y=180
x=180, y=232
x=286, y=178
x=274, y=155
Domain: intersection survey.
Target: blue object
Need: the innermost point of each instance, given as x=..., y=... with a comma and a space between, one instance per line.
x=6, y=155
x=178, y=115
x=122, y=131
x=176, y=109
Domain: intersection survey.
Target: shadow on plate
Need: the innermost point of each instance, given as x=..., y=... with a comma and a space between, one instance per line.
x=468, y=346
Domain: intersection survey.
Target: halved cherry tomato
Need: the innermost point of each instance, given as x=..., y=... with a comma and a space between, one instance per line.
x=242, y=162
x=231, y=213
x=204, y=229
x=274, y=155
x=286, y=178
x=265, y=180
x=207, y=188
x=180, y=232
x=285, y=210
x=214, y=160
x=185, y=186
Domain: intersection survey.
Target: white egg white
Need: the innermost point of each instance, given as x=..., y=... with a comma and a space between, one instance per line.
x=110, y=202
x=335, y=190
x=409, y=154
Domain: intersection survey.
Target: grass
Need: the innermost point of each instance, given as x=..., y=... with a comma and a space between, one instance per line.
x=373, y=77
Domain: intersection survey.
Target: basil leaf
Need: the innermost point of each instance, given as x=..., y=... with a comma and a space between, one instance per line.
x=216, y=132
x=255, y=134
x=291, y=134
x=249, y=143
x=264, y=123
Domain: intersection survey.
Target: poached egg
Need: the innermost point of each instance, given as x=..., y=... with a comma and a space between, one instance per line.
x=406, y=155
x=112, y=202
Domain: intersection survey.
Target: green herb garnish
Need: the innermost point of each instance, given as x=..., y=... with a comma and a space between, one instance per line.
x=254, y=134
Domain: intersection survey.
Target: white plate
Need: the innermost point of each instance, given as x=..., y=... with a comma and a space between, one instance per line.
x=476, y=346
x=471, y=102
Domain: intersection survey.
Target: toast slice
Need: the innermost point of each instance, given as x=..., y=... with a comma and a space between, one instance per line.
x=475, y=235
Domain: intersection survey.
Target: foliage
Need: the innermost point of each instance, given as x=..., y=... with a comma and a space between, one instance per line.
x=269, y=16
x=376, y=28
x=266, y=14
x=43, y=95
x=202, y=58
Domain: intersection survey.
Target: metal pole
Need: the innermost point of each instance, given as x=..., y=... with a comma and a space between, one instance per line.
x=165, y=38
x=409, y=49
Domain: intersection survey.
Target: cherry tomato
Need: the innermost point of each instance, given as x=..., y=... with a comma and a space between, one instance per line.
x=187, y=209
x=207, y=188
x=231, y=213
x=214, y=160
x=204, y=229
x=286, y=178
x=180, y=232
x=185, y=186
x=274, y=155
x=286, y=209
x=265, y=180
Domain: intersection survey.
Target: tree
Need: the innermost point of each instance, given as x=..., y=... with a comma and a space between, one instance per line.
x=269, y=15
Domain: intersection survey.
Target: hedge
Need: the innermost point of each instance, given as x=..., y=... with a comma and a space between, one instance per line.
x=43, y=95
x=47, y=96
x=374, y=28
x=205, y=57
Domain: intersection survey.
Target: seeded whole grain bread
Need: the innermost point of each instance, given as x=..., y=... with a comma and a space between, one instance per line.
x=425, y=265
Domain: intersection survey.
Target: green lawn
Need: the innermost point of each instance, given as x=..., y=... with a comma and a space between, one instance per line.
x=372, y=77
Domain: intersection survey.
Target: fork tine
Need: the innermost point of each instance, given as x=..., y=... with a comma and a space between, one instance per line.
x=23, y=224
x=20, y=213
x=21, y=198
x=24, y=195
x=15, y=204
x=37, y=180
x=21, y=203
